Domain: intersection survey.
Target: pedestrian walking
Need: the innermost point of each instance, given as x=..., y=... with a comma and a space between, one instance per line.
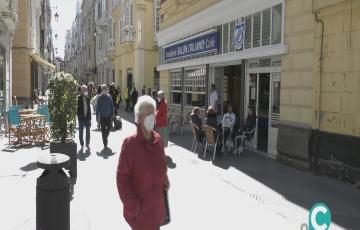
x=127, y=101
x=104, y=113
x=149, y=92
x=114, y=94
x=84, y=116
x=143, y=91
x=142, y=180
x=134, y=96
x=161, y=118
x=155, y=97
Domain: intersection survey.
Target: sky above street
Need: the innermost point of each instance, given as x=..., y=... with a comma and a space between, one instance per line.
x=66, y=10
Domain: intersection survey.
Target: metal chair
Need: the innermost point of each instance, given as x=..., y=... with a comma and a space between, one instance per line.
x=15, y=129
x=210, y=139
x=186, y=124
x=195, y=131
x=246, y=141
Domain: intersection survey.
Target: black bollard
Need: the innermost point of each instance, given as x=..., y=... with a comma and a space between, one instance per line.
x=53, y=193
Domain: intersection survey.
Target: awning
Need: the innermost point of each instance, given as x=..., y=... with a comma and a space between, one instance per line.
x=42, y=61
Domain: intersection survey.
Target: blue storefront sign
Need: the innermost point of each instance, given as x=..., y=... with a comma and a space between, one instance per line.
x=202, y=44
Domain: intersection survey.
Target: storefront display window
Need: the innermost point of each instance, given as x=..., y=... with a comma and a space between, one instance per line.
x=176, y=86
x=195, y=87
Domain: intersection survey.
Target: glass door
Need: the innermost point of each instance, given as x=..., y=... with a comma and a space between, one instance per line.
x=275, y=85
x=263, y=111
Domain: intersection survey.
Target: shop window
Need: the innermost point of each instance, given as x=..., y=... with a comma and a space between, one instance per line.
x=266, y=14
x=248, y=32
x=176, y=86
x=195, y=87
x=276, y=24
x=225, y=38
x=256, y=30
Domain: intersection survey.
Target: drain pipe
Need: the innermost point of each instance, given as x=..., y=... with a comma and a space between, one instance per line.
x=321, y=67
x=315, y=136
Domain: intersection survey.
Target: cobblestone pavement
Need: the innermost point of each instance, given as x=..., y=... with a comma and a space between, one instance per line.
x=252, y=192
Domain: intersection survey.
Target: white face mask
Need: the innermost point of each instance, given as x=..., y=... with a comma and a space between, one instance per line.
x=86, y=93
x=104, y=91
x=149, y=122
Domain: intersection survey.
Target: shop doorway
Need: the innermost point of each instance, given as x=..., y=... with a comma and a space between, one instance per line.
x=129, y=79
x=264, y=96
x=232, y=88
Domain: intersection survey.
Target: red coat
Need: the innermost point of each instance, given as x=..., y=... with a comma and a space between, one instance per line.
x=161, y=115
x=141, y=178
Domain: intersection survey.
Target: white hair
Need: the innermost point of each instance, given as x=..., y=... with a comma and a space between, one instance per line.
x=142, y=105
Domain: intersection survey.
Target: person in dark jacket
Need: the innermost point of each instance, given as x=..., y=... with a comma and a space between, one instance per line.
x=84, y=116
x=104, y=113
x=196, y=120
x=248, y=125
x=154, y=96
x=134, y=96
x=211, y=118
x=114, y=94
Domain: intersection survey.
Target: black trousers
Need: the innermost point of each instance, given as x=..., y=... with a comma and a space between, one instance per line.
x=105, y=123
x=127, y=101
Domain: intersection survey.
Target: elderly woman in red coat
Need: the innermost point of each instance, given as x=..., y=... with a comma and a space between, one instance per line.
x=142, y=171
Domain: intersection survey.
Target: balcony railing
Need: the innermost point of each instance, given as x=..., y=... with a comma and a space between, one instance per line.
x=127, y=34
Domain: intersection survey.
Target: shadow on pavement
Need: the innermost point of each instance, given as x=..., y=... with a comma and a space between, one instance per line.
x=298, y=187
x=29, y=167
x=83, y=155
x=170, y=163
x=105, y=153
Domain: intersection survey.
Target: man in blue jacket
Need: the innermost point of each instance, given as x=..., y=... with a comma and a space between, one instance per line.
x=104, y=112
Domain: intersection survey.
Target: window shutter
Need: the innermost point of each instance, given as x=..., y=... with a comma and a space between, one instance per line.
x=225, y=38
x=232, y=27
x=248, y=30
x=266, y=14
x=257, y=29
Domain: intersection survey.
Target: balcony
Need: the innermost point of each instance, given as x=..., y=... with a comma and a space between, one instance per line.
x=127, y=34
x=9, y=12
x=110, y=48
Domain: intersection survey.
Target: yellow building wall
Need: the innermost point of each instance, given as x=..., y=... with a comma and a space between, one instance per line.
x=127, y=55
x=174, y=11
x=337, y=93
x=22, y=44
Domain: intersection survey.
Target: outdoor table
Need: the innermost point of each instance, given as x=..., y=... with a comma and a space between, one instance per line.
x=26, y=111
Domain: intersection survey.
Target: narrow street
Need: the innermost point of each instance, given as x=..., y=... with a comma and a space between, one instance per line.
x=252, y=192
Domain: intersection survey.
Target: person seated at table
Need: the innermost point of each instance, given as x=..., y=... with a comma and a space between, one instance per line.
x=248, y=125
x=211, y=118
x=228, y=122
x=196, y=120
